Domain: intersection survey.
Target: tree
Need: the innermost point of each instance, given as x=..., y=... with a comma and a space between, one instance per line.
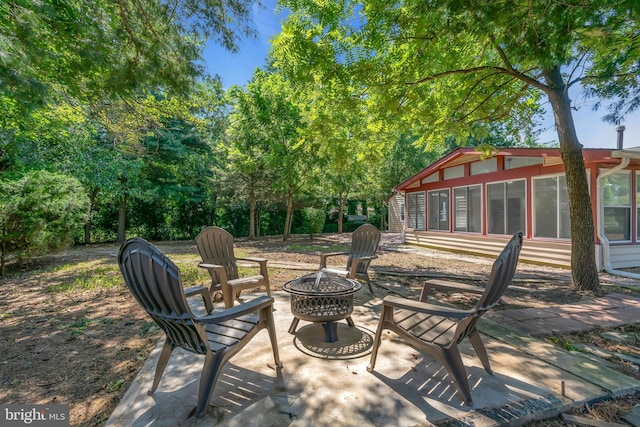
x=269, y=134
x=443, y=66
x=247, y=147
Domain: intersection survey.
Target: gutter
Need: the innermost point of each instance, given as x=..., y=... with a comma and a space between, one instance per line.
x=606, y=249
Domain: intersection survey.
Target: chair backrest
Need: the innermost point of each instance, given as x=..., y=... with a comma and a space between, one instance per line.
x=156, y=284
x=364, y=242
x=502, y=272
x=216, y=247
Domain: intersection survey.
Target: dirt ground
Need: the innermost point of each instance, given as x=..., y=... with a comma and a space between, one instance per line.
x=72, y=333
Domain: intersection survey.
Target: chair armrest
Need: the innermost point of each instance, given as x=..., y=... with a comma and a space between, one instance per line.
x=202, y=291
x=423, y=307
x=263, y=265
x=215, y=268
x=355, y=261
x=323, y=257
x=448, y=286
x=237, y=310
x=251, y=259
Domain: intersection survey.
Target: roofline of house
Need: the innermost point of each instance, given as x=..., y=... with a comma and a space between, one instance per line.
x=589, y=154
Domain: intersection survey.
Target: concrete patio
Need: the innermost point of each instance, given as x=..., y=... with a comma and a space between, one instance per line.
x=327, y=384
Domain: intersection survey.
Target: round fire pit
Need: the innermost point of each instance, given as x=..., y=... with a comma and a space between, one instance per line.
x=322, y=297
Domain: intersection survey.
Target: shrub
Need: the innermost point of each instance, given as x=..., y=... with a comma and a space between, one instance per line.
x=313, y=220
x=39, y=213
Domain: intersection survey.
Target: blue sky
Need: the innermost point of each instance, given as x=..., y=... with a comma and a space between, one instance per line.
x=238, y=68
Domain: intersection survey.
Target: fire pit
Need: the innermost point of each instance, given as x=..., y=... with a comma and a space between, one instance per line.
x=322, y=297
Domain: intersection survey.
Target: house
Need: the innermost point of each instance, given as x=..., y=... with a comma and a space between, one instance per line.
x=395, y=205
x=465, y=202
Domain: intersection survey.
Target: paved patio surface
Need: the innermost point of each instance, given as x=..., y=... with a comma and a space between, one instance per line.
x=327, y=384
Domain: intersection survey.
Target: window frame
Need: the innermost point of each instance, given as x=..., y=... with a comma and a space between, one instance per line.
x=416, y=213
x=505, y=221
x=628, y=208
x=534, y=205
x=454, y=209
x=447, y=206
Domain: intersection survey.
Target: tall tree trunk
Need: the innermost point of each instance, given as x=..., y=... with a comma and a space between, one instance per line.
x=252, y=213
x=122, y=217
x=289, y=218
x=258, y=223
x=584, y=272
x=340, y=212
x=87, y=225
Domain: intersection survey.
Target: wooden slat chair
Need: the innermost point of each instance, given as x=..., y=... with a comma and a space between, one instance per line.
x=437, y=330
x=216, y=249
x=364, y=244
x=156, y=284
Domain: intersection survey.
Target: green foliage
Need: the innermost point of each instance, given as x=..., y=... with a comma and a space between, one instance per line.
x=314, y=220
x=40, y=212
x=100, y=49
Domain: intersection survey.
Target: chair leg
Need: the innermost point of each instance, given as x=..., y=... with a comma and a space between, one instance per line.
x=478, y=346
x=386, y=311
x=369, y=282
x=271, y=329
x=227, y=296
x=210, y=372
x=165, y=355
x=452, y=361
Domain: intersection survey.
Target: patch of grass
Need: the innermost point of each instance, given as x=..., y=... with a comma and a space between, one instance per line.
x=561, y=342
x=149, y=328
x=192, y=274
x=86, y=277
x=297, y=247
x=78, y=326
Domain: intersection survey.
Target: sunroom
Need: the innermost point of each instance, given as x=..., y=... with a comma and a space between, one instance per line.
x=468, y=203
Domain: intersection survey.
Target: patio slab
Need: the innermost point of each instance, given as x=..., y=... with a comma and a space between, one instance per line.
x=324, y=384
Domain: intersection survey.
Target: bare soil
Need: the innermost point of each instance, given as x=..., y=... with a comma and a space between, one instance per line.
x=67, y=340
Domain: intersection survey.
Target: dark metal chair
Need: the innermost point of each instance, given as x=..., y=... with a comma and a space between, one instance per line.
x=156, y=284
x=364, y=244
x=216, y=249
x=437, y=330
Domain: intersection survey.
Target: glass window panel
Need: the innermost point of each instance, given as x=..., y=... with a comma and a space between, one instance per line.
x=495, y=208
x=512, y=162
x=617, y=223
x=438, y=218
x=485, y=166
x=434, y=206
x=415, y=209
x=444, y=211
x=460, y=203
x=475, y=209
x=454, y=172
x=545, y=193
x=565, y=221
x=421, y=207
x=515, y=206
x=616, y=189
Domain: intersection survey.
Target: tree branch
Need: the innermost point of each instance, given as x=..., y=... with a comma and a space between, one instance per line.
x=453, y=72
